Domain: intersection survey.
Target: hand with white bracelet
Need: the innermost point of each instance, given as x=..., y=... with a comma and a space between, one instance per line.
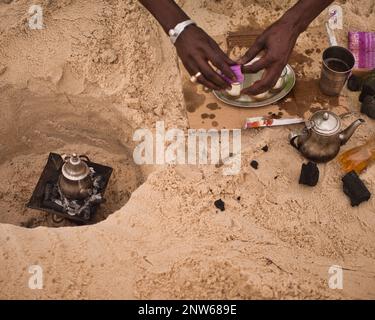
x=199, y=53
x=196, y=49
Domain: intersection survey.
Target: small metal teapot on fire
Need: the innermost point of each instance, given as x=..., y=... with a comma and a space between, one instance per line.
x=321, y=139
x=75, y=181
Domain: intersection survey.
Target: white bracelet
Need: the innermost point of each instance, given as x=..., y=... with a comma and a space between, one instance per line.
x=175, y=33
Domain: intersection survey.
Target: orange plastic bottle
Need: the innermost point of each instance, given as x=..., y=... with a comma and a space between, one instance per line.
x=358, y=158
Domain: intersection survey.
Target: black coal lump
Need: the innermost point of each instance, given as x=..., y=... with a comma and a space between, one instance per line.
x=254, y=164
x=220, y=204
x=354, y=83
x=368, y=106
x=368, y=89
x=355, y=189
x=309, y=174
x=265, y=148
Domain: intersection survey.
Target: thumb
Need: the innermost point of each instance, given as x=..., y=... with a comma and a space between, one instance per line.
x=251, y=53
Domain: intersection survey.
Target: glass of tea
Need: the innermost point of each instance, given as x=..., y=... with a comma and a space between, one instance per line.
x=338, y=63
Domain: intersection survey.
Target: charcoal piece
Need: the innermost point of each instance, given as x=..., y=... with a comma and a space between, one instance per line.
x=355, y=189
x=354, y=83
x=220, y=204
x=86, y=213
x=254, y=164
x=309, y=174
x=368, y=106
x=368, y=89
x=265, y=148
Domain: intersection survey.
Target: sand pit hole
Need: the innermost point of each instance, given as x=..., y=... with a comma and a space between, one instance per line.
x=31, y=127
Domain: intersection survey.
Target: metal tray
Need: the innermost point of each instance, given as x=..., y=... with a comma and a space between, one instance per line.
x=245, y=101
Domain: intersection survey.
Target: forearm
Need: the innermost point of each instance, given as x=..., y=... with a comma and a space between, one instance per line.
x=304, y=12
x=166, y=12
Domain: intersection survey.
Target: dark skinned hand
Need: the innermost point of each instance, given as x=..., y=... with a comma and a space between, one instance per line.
x=276, y=43
x=197, y=50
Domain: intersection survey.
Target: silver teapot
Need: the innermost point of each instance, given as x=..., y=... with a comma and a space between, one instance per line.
x=75, y=180
x=322, y=137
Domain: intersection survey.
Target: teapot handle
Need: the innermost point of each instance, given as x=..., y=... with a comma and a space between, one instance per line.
x=66, y=157
x=85, y=158
x=292, y=139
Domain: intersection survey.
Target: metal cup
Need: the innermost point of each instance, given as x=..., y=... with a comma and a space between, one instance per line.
x=332, y=80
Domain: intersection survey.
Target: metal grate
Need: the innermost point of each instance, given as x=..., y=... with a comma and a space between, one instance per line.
x=41, y=199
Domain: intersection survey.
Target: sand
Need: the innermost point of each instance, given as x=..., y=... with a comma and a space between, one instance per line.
x=92, y=77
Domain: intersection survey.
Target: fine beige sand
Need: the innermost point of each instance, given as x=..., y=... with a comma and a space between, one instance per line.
x=101, y=69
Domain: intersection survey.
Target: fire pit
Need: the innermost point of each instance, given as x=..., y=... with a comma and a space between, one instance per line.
x=54, y=192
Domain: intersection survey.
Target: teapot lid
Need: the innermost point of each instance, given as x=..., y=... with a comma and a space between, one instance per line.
x=325, y=122
x=75, y=169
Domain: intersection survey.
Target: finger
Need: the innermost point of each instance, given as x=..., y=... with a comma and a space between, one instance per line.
x=222, y=62
x=269, y=79
x=222, y=65
x=211, y=75
x=227, y=60
x=193, y=69
x=221, y=54
x=261, y=64
x=252, y=52
x=202, y=80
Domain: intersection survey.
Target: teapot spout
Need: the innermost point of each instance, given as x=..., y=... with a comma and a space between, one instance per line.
x=349, y=131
